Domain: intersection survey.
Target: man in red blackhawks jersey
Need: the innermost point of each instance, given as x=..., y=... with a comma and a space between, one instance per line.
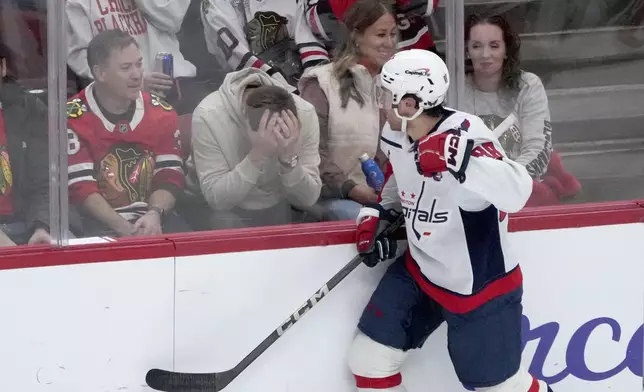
x=454, y=185
x=153, y=23
x=125, y=169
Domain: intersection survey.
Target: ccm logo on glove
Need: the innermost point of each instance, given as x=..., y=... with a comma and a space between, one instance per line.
x=452, y=150
x=443, y=152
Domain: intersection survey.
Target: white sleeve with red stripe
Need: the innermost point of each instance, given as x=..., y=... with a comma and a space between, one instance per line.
x=417, y=37
x=413, y=29
x=225, y=37
x=312, y=51
x=324, y=17
x=310, y=9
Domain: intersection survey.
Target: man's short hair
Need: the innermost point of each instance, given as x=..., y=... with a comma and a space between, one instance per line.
x=273, y=98
x=101, y=46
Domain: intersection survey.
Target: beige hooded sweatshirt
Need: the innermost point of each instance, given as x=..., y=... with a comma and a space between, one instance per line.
x=220, y=145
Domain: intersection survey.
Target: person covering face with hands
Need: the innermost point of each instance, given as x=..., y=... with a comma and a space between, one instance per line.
x=277, y=134
x=255, y=149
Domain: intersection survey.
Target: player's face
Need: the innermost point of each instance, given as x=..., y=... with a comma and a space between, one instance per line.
x=123, y=73
x=486, y=48
x=378, y=42
x=407, y=108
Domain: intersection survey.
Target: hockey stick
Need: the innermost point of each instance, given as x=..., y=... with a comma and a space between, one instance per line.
x=163, y=380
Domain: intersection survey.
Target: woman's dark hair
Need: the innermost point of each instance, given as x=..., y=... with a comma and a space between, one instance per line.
x=358, y=18
x=511, y=73
x=5, y=53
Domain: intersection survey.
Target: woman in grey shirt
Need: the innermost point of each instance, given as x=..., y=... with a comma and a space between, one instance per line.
x=513, y=103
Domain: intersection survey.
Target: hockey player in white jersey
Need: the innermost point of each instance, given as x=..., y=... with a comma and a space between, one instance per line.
x=455, y=185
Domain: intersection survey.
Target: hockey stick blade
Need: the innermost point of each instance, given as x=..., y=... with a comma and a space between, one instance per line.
x=168, y=381
x=164, y=380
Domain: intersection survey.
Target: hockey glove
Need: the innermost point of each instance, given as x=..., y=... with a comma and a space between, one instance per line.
x=374, y=246
x=444, y=152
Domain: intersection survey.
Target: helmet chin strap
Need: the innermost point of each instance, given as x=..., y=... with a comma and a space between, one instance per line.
x=405, y=118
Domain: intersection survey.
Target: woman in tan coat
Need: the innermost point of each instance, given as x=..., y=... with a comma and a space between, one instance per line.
x=346, y=95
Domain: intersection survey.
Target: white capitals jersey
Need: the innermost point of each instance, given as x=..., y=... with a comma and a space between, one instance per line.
x=457, y=232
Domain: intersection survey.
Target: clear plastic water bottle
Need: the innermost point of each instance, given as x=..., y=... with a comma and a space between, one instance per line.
x=371, y=170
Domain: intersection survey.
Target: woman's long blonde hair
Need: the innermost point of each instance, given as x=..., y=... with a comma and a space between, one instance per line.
x=357, y=19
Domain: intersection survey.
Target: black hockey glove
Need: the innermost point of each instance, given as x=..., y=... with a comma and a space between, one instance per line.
x=371, y=243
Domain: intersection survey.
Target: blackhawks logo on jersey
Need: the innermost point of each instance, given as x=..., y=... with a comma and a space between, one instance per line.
x=265, y=30
x=125, y=175
x=75, y=108
x=6, y=176
x=158, y=101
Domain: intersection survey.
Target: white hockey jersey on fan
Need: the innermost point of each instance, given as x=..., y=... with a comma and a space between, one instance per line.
x=237, y=31
x=153, y=23
x=457, y=232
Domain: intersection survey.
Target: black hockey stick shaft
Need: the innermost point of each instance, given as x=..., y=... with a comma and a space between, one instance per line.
x=163, y=380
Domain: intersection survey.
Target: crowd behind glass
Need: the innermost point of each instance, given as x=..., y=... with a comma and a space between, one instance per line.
x=192, y=115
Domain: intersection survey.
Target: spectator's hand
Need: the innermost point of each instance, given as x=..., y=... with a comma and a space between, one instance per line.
x=287, y=134
x=363, y=194
x=263, y=141
x=148, y=224
x=157, y=82
x=126, y=230
x=40, y=237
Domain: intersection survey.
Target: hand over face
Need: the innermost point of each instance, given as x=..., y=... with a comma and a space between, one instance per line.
x=263, y=141
x=287, y=134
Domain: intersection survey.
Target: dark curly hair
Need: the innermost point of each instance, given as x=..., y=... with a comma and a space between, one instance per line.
x=511, y=74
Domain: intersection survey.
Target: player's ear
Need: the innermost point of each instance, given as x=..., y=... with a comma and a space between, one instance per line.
x=407, y=106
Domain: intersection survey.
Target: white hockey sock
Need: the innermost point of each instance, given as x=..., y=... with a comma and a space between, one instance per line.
x=376, y=367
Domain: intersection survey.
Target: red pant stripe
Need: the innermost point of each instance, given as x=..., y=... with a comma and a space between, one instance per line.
x=535, y=385
x=380, y=383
